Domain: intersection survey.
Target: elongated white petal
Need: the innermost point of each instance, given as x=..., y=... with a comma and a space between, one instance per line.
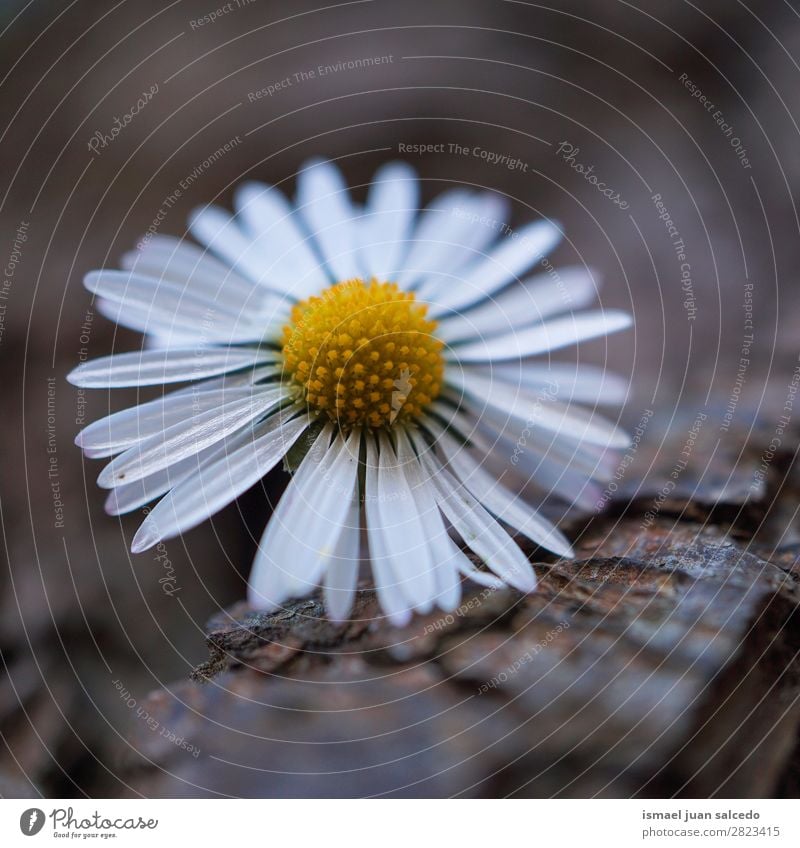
x=403, y=532
x=102, y=453
x=540, y=411
x=513, y=256
x=218, y=483
x=302, y=534
x=446, y=557
x=136, y=423
x=324, y=204
x=188, y=437
x=569, y=382
x=386, y=226
x=222, y=234
x=453, y=231
x=131, y=496
x=160, y=336
x=482, y=578
x=180, y=261
x=507, y=506
x=183, y=328
x=530, y=302
x=274, y=224
x=388, y=586
x=171, y=300
x=521, y=456
x=479, y=530
x=231, y=381
x=341, y=576
x=175, y=365
x=541, y=338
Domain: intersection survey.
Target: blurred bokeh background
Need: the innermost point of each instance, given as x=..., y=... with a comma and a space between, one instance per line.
x=694, y=106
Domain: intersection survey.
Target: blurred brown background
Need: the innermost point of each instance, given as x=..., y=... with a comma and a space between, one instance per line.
x=611, y=78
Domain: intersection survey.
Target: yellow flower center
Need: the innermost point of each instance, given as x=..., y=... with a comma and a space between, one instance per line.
x=364, y=353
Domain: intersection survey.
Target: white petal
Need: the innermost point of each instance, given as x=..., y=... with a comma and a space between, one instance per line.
x=341, y=576
x=479, y=530
x=130, y=496
x=136, y=423
x=302, y=534
x=541, y=338
x=180, y=261
x=554, y=465
x=218, y=483
x=175, y=365
x=160, y=336
x=102, y=453
x=221, y=233
x=530, y=302
x=231, y=381
x=386, y=227
x=171, y=301
x=273, y=223
x=507, y=506
x=324, y=204
x=512, y=257
x=446, y=557
x=542, y=410
x=544, y=461
x=403, y=536
x=570, y=382
x=452, y=231
x=482, y=578
x=387, y=584
x=188, y=437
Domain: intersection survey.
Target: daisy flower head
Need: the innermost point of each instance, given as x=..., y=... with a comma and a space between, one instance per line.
x=395, y=360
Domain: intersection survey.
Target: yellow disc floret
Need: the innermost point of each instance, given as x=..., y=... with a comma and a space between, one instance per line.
x=364, y=353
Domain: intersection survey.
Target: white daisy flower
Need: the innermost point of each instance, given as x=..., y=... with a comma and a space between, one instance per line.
x=387, y=357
